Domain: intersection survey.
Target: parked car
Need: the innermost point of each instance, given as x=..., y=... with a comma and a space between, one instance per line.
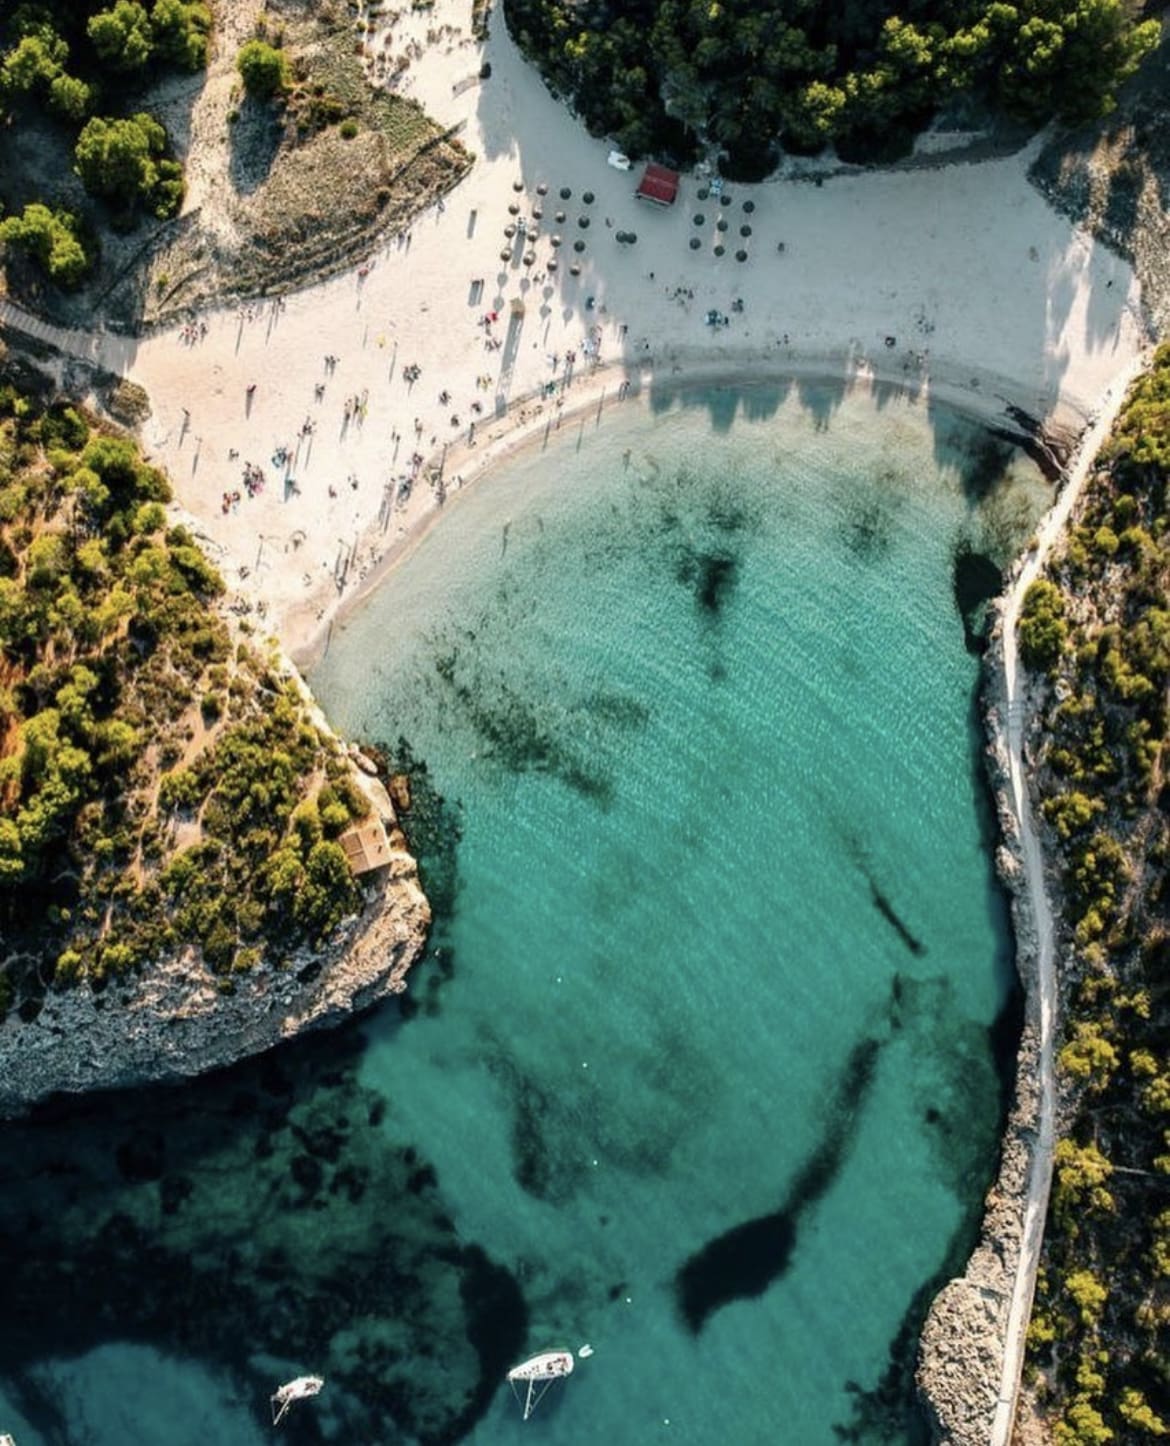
x=618, y=161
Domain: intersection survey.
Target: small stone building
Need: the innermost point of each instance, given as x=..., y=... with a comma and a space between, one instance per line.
x=366, y=845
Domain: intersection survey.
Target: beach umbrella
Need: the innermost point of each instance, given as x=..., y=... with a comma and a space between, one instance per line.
x=721, y=224
x=741, y=255
x=631, y=237
x=565, y=193
x=513, y=209
x=560, y=218
x=588, y=198
x=537, y=213
x=574, y=270
x=695, y=243
x=556, y=240
x=542, y=189
x=506, y=254
x=725, y=200
x=529, y=257
x=509, y=232
x=749, y=207
x=745, y=230
x=517, y=185
x=700, y=219
x=583, y=222
x=719, y=250
x=578, y=246
x=702, y=193
x=552, y=264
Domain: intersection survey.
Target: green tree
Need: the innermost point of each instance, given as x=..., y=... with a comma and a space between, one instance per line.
x=1043, y=630
x=34, y=63
x=180, y=32
x=69, y=97
x=328, y=892
x=263, y=69
x=122, y=35
x=51, y=239
x=125, y=161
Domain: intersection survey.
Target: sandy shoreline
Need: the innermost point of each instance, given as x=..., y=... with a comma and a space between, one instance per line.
x=957, y=283
x=535, y=420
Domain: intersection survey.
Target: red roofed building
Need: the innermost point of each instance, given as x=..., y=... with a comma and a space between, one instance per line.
x=659, y=185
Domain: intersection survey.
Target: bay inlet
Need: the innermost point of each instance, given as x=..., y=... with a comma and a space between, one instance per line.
x=702, y=1066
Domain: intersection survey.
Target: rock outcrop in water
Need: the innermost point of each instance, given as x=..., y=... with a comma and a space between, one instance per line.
x=180, y=1018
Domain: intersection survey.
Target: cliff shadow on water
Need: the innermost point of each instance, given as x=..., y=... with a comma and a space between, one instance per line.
x=956, y=1068
x=433, y=825
x=268, y=1219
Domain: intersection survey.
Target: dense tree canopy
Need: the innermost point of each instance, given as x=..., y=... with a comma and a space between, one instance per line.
x=1099, y=623
x=85, y=64
x=745, y=77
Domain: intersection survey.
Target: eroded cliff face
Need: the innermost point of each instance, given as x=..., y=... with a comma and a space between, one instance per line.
x=961, y=1350
x=178, y=1018
x=177, y=1021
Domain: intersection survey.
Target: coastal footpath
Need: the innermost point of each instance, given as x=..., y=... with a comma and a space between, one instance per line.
x=971, y=1350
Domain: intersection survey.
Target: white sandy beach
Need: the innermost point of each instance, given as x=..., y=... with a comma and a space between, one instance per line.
x=956, y=281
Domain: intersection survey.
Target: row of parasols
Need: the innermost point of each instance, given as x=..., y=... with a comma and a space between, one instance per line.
x=530, y=230
x=722, y=224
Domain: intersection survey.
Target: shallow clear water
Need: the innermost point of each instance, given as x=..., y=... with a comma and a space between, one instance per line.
x=701, y=1069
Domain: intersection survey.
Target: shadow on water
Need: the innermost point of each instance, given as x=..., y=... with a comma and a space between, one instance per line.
x=435, y=828
x=889, y=1411
x=956, y=1067
x=261, y=1216
x=745, y=1260
x=895, y=920
x=976, y=581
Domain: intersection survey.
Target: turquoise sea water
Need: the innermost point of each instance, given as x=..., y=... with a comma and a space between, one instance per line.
x=701, y=1068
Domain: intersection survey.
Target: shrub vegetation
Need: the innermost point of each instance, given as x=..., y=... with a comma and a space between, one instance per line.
x=1098, y=1340
x=263, y=69
x=160, y=787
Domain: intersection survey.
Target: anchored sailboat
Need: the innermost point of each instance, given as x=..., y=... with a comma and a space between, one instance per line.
x=299, y=1390
x=537, y=1375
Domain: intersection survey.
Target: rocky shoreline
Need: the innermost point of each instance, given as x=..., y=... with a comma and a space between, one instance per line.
x=961, y=1349
x=178, y=1020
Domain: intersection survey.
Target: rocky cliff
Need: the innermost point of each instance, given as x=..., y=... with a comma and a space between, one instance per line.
x=961, y=1350
x=180, y=1018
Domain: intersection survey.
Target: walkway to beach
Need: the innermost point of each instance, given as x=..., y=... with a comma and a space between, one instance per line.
x=1043, y=973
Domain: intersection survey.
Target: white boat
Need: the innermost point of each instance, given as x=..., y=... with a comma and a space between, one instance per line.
x=537, y=1375
x=299, y=1390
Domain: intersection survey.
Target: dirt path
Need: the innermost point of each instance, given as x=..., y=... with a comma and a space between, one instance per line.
x=1016, y=712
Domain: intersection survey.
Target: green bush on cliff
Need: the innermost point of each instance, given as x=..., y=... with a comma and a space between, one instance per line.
x=1043, y=630
x=1100, y=1358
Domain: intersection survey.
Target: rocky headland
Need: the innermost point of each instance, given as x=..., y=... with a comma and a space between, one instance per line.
x=181, y=1018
